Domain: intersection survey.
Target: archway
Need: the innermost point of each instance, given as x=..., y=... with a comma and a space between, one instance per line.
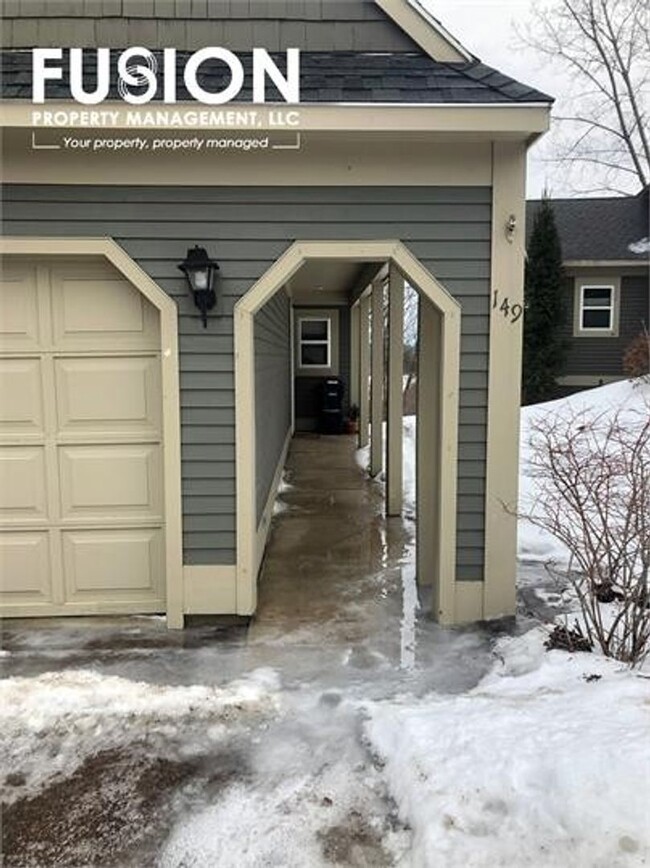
x=437, y=454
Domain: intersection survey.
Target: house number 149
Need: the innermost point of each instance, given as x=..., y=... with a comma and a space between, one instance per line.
x=512, y=312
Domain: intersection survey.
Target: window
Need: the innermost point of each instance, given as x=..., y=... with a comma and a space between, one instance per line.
x=596, y=307
x=315, y=342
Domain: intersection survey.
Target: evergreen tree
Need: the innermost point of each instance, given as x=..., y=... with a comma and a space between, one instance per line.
x=544, y=343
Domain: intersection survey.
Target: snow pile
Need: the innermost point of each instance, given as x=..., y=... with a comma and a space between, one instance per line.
x=311, y=796
x=631, y=398
x=537, y=766
x=408, y=463
x=51, y=723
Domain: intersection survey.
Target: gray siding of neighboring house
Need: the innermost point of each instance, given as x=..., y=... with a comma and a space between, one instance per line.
x=603, y=356
x=312, y=25
x=272, y=331
x=306, y=388
x=246, y=229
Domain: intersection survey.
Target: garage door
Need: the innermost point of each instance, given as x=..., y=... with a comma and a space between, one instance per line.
x=81, y=480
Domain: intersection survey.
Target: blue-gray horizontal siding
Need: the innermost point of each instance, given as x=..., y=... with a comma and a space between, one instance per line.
x=603, y=356
x=246, y=229
x=272, y=336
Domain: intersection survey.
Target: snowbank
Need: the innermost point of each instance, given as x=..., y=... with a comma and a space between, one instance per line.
x=631, y=398
x=51, y=723
x=537, y=766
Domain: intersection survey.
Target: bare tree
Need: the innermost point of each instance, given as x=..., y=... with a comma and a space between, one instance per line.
x=411, y=303
x=605, y=46
x=593, y=478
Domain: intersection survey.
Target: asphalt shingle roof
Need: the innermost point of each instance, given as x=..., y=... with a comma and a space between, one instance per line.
x=599, y=229
x=332, y=77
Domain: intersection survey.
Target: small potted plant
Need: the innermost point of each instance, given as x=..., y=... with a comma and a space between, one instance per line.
x=353, y=420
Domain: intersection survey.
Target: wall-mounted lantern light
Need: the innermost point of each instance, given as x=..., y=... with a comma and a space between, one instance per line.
x=201, y=272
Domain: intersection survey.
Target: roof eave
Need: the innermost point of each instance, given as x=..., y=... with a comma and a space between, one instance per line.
x=514, y=120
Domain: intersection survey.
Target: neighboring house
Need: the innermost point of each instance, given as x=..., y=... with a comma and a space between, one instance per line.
x=606, y=255
x=143, y=448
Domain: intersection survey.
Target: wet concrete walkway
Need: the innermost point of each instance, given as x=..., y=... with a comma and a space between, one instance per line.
x=333, y=562
x=337, y=599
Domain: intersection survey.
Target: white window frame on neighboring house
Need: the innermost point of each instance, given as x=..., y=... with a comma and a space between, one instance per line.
x=331, y=317
x=582, y=284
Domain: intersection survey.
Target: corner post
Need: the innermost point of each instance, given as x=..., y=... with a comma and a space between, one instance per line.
x=377, y=379
x=394, y=494
x=355, y=348
x=427, y=443
x=364, y=369
x=504, y=381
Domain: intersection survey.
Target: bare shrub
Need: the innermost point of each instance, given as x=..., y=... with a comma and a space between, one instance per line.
x=636, y=360
x=594, y=496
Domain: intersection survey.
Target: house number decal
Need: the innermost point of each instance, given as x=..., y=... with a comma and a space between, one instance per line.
x=512, y=312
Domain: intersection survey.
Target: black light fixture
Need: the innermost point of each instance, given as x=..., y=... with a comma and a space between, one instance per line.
x=200, y=272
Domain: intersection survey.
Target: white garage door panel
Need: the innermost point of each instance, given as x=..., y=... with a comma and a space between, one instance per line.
x=119, y=565
x=112, y=482
x=133, y=384
x=25, y=568
x=19, y=322
x=21, y=398
x=95, y=309
x=22, y=483
x=82, y=525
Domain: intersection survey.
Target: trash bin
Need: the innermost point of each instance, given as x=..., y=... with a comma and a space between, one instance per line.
x=331, y=406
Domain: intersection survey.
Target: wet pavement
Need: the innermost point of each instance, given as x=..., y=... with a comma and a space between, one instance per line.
x=337, y=600
x=338, y=621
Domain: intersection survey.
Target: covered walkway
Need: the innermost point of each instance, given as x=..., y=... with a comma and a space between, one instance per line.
x=334, y=561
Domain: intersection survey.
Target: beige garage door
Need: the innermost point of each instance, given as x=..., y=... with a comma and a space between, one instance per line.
x=81, y=480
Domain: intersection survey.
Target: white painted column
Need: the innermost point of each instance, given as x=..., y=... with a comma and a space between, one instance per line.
x=364, y=370
x=354, y=354
x=504, y=383
x=377, y=379
x=394, y=496
x=427, y=444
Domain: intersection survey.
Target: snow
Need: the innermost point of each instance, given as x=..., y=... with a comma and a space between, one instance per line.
x=408, y=463
x=49, y=724
x=631, y=398
x=547, y=761
x=536, y=766
x=640, y=247
x=375, y=759
x=311, y=776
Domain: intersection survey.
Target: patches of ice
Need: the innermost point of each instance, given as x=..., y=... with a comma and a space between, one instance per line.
x=51, y=723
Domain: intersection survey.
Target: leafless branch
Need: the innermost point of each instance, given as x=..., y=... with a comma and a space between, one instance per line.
x=605, y=47
x=593, y=482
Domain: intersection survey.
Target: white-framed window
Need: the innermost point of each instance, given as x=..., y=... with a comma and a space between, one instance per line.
x=596, y=310
x=314, y=342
